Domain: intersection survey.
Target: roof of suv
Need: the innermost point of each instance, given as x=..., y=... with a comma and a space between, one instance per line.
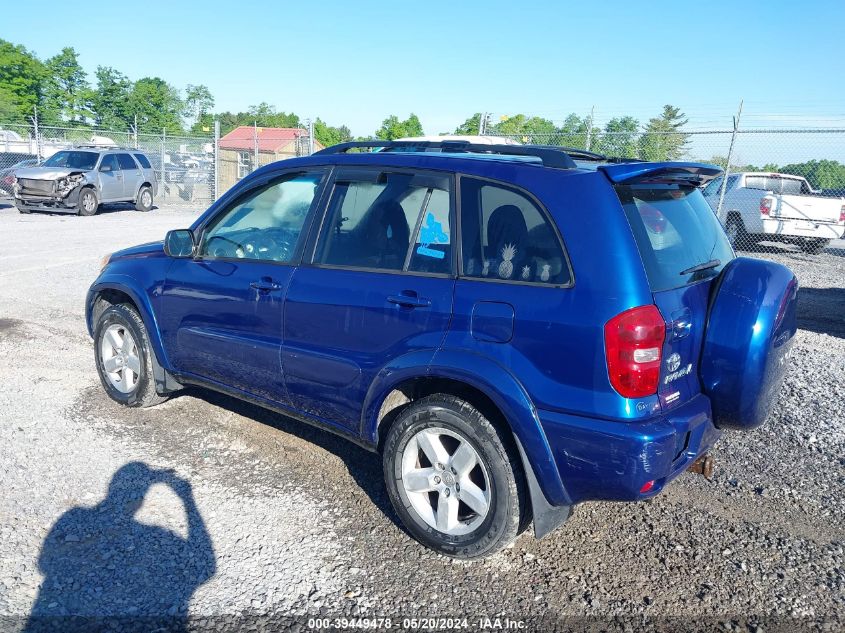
x=105, y=148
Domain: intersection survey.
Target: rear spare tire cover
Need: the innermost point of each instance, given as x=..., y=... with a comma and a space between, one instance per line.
x=750, y=327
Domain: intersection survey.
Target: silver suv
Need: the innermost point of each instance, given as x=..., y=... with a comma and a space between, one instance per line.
x=83, y=178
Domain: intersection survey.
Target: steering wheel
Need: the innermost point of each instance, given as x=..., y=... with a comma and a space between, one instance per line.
x=240, y=249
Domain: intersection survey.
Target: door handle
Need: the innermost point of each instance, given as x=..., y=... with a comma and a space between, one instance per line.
x=409, y=300
x=265, y=284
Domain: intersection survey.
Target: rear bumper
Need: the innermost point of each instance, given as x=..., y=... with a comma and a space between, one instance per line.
x=803, y=228
x=612, y=460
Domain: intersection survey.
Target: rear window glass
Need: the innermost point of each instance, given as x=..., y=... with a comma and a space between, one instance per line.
x=675, y=230
x=143, y=160
x=775, y=184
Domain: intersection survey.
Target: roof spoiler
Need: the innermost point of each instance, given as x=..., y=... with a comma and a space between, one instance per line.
x=695, y=174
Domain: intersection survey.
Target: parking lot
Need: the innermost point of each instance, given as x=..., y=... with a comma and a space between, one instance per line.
x=298, y=521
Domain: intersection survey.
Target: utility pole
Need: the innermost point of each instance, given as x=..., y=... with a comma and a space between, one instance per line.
x=590, y=128
x=310, y=137
x=216, y=157
x=36, y=133
x=255, y=144
x=135, y=131
x=481, y=122
x=728, y=166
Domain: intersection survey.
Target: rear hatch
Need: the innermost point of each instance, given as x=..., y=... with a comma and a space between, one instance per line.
x=808, y=208
x=686, y=253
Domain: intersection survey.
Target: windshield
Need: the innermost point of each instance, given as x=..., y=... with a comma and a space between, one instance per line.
x=676, y=231
x=72, y=160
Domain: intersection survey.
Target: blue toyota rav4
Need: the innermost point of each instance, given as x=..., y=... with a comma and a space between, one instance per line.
x=514, y=329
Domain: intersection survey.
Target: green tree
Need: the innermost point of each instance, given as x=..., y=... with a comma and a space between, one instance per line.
x=198, y=103
x=157, y=105
x=263, y=115
x=821, y=174
x=573, y=133
x=620, y=137
x=663, y=138
x=68, y=95
x=525, y=129
x=392, y=128
x=22, y=83
x=328, y=135
x=470, y=126
x=110, y=99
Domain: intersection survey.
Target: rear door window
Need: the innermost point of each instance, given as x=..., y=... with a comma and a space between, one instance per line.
x=388, y=221
x=125, y=161
x=675, y=231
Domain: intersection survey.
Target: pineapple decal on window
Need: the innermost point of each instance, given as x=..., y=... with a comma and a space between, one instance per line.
x=545, y=273
x=506, y=267
x=526, y=273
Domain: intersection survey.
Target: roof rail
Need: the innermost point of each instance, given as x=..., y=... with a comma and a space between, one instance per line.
x=106, y=146
x=550, y=156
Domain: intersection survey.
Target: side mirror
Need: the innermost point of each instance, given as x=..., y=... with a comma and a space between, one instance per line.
x=105, y=168
x=179, y=243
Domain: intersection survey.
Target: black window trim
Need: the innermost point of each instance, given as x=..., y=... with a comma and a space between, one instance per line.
x=543, y=212
x=261, y=183
x=337, y=175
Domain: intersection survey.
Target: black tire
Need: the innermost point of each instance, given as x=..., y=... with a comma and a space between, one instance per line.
x=144, y=393
x=814, y=247
x=144, y=193
x=508, y=505
x=737, y=235
x=84, y=206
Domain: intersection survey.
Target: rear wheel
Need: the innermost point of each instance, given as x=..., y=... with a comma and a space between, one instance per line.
x=145, y=199
x=815, y=246
x=455, y=484
x=87, y=204
x=124, y=358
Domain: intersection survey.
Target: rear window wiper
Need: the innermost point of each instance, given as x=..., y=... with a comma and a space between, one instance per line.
x=699, y=267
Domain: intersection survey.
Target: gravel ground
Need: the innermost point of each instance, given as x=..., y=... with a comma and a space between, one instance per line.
x=244, y=513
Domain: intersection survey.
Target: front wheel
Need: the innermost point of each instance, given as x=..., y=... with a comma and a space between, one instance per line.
x=124, y=358
x=145, y=199
x=456, y=485
x=87, y=204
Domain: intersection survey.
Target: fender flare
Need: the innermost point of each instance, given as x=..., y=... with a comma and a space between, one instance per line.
x=548, y=494
x=124, y=283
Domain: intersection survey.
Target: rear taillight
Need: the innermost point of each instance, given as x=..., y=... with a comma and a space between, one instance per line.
x=633, y=343
x=765, y=206
x=842, y=213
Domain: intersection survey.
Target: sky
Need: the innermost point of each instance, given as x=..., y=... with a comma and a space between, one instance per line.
x=356, y=62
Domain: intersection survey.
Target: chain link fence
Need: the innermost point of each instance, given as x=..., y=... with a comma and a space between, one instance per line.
x=194, y=170
x=184, y=165
x=784, y=190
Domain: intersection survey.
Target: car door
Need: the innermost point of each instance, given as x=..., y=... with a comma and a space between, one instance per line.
x=378, y=286
x=111, y=179
x=221, y=311
x=131, y=176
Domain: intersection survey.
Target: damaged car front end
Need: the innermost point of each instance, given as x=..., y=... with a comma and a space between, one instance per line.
x=40, y=189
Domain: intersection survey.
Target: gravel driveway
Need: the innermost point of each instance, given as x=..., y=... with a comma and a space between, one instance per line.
x=244, y=513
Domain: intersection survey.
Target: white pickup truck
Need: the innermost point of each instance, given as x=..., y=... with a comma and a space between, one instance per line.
x=782, y=207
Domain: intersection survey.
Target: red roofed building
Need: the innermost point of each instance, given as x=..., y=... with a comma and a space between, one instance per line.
x=238, y=150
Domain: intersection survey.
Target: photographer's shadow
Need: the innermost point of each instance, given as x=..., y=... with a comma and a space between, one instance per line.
x=101, y=563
